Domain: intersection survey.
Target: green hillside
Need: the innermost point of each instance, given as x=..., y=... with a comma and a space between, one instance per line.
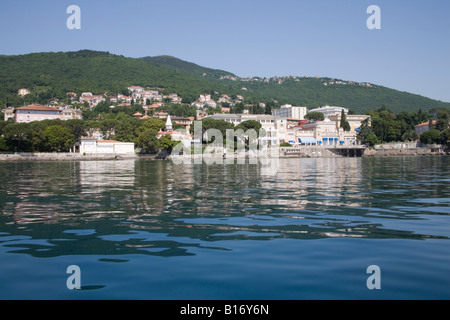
x=190, y=67
x=54, y=74
x=51, y=75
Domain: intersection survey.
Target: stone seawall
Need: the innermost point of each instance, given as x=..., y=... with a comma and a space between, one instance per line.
x=302, y=152
x=399, y=149
x=70, y=157
x=322, y=152
x=307, y=152
x=405, y=149
x=403, y=152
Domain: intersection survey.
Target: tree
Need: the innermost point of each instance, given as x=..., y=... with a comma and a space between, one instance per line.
x=315, y=116
x=430, y=136
x=58, y=138
x=442, y=124
x=18, y=137
x=77, y=126
x=220, y=125
x=409, y=135
x=127, y=128
x=2, y=125
x=108, y=127
x=166, y=143
x=249, y=124
x=155, y=124
x=444, y=138
x=3, y=145
x=268, y=109
x=148, y=141
x=237, y=108
x=344, y=123
x=38, y=138
x=420, y=117
x=372, y=139
x=407, y=118
x=366, y=134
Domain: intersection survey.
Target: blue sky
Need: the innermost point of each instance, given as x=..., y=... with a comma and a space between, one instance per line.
x=326, y=38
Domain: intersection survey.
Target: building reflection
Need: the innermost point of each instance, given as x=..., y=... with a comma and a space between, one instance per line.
x=158, y=207
x=98, y=176
x=317, y=181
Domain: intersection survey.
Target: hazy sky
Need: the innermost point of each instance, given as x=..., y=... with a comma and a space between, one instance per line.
x=330, y=38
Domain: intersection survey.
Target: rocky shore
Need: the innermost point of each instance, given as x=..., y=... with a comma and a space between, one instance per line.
x=405, y=149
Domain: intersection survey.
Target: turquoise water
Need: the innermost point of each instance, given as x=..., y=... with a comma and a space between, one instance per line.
x=156, y=230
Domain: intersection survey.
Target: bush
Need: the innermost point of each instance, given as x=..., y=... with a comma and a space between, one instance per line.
x=371, y=139
x=430, y=136
x=286, y=145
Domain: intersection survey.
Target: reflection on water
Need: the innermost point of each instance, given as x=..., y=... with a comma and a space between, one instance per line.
x=101, y=176
x=159, y=208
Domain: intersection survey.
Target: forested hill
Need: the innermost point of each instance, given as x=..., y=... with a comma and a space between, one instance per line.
x=190, y=67
x=51, y=75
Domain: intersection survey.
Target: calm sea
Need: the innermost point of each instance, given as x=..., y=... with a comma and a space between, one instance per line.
x=157, y=230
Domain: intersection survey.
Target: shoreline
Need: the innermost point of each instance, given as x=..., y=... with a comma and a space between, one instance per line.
x=308, y=152
x=64, y=157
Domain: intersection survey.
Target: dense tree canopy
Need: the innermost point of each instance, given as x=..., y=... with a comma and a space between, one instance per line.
x=385, y=126
x=56, y=135
x=58, y=138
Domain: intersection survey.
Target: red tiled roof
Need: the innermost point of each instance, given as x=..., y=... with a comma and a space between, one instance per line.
x=425, y=123
x=107, y=141
x=37, y=108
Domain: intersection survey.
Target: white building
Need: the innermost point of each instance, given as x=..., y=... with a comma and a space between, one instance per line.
x=211, y=103
x=420, y=128
x=94, y=146
x=354, y=120
x=135, y=89
x=275, y=127
x=334, y=114
x=204, y=97
x=321, y=133
x=68, y=114
x=329, y=111
x=326, y=133
x=23, y=92
x=8, y=113
x=288, y=111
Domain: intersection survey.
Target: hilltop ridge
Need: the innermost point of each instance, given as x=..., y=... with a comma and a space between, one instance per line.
x=53, y=74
